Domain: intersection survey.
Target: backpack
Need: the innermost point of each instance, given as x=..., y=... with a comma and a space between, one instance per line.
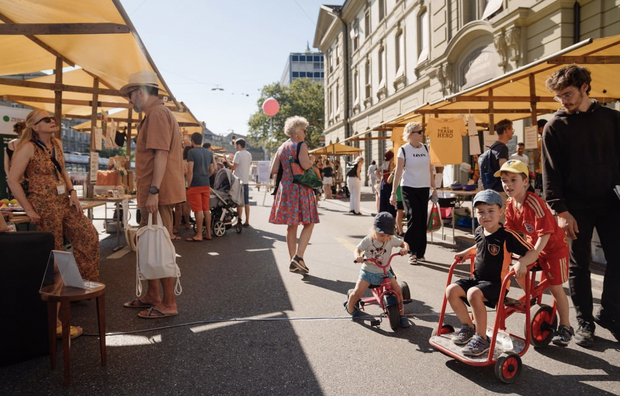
x=487, y=171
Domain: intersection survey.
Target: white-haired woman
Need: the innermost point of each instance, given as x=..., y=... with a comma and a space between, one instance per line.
x=355, y=185
x=294, y=203
x=414, y=165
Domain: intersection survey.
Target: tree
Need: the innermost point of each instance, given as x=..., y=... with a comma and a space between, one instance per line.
x=303, y=97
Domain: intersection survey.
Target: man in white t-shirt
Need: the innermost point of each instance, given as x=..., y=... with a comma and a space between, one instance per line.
x=520, y=154
x=241, y=168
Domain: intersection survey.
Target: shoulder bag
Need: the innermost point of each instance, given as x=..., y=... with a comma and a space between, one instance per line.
x=310, y=177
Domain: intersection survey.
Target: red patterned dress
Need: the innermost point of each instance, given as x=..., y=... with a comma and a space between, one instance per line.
x=294, y=203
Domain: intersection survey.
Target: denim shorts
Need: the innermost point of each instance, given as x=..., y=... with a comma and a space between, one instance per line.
x=246, y=194
x=374, y=278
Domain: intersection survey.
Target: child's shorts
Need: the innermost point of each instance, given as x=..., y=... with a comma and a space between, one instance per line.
x=374, y=278
x=555, y=269
x=489, y=289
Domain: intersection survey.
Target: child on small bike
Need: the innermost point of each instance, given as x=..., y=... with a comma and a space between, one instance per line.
x=493, y=248
x=378, y=245
x=527, y=213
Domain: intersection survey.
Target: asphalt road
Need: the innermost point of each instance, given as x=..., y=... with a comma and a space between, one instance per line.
x=249, y=326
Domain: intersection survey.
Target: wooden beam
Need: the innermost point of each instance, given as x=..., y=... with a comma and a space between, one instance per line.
x=475, y=111
x=499, y=99
x=40, y=43
x=77, y=102
x=589, y=60
x=40, y=29
x=54, y=87
x=58, y=97
x=533, y=103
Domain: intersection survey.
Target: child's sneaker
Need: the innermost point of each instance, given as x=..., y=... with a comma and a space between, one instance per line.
x=563, y=336
x=404, y=322
x=463, y=336
x=477, y=346
x=356, y=312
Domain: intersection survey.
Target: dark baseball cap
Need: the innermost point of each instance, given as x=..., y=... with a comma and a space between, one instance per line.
x=489, y=197
x=384, y=223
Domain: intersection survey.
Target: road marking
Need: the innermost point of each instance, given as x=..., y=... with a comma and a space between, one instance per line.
x=346, y=243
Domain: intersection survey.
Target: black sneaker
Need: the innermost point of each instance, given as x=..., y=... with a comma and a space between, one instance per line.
x=563, y=336
x=612, y=325
x=584, y=336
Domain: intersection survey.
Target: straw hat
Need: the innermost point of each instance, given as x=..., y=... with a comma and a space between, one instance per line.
x=143, y=78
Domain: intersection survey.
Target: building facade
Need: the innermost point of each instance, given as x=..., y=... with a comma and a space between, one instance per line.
x=385, y=58
x=303, y=65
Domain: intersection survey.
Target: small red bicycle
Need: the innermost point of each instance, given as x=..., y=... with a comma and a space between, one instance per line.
x=506, y=354
x=384, y=295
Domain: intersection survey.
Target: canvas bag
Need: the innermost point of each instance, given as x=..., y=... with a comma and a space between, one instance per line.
x=155, y=256
x=433, y=222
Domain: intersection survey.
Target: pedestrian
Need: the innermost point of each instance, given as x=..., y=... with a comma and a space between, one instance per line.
x=51, y=201
x=355, y=185
x=387, y=179
x=492, y=251
x=18, y=128
x=491, y=160
x=328, y=173
x=371, y=175
x=377, y=245
x=581, y=173
x=199, y=168
x=519, y=155
x=416, y=176
x=159, y=178
x=294, y=203
x=241, y=168
x=338, y=176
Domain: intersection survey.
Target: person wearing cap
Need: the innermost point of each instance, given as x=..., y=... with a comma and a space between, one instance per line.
x=159, y=177
x=377, y=245
x=493, y=255
x=581, y=174
x=528, y=214
x=418, y=178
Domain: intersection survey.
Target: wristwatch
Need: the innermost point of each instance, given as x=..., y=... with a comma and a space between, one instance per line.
x=154, y=190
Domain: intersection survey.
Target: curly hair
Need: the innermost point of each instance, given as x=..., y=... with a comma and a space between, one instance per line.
x=294, y=124
x=410, y=128
x=567, y=76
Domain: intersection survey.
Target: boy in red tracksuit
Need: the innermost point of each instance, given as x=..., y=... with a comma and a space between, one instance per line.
x=527, y=213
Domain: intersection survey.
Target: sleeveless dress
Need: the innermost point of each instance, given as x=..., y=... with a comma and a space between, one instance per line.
x=57, y=214
x=294, y=203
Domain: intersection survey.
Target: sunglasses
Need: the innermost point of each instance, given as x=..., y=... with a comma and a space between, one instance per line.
x=131, y=92
x=47, y=120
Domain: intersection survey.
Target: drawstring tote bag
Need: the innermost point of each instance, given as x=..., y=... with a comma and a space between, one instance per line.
x=156, y=257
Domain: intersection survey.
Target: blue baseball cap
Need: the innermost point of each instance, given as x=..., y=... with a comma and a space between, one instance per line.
x=489, y=197
x=384, y=223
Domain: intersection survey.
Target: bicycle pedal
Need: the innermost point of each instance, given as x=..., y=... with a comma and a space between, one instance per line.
x=375, y=322
x=512, y=302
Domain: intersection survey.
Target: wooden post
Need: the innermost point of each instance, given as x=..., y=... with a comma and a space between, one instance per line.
x=532, y=98
x=93, y=124
x=129, y=128
x=491, y=115
x=58, y=98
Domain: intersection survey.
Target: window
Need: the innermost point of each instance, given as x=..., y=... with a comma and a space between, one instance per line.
x=382, y=9
x=337, y=96
x=423, y=36
x=367, y=78
x=302, y=74
x=367, y=26
x=355, y=33
x=381, y=65
x=317, y=58
x=295, y=74
x=330, y=105
x=356, y=86
x=295, y=58
x=318, y=66
x=399, y=52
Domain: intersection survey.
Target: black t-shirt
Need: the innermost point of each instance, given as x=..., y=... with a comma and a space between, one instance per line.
x=328, y=171
x=353, y=171
x=493, y=255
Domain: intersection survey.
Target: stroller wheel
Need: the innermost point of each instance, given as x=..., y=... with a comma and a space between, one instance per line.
x=219, y=228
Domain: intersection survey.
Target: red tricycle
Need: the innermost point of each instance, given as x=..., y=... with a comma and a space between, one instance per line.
x=384, y=295
x=506, y=348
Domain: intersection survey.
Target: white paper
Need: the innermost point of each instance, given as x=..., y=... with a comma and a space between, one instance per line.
x=94, y=166
x=531, y=137
x=488, y=140
x=98, y=138
x=68, y=269
x=263, y=171
x=471, y=126
x=474, y=145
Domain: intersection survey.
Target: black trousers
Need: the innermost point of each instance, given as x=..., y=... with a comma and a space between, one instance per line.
x=385, y=190
x=415, y=201
x=607, y=223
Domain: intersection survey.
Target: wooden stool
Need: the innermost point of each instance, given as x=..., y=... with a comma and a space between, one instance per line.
x=64, y=296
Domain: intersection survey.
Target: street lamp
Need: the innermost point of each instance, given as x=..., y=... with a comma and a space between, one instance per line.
x=217, y=88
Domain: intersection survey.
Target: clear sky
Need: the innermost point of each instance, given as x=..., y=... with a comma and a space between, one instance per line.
x=239, y=46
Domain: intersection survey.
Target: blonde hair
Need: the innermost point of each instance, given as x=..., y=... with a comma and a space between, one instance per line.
x=293, y=124
x=358, y=159
x=410, y=128
x=29, y=134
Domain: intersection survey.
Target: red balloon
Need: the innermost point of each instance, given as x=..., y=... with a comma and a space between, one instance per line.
x=271, y=107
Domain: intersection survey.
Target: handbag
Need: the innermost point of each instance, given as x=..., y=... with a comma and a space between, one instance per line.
x=310, y=177
x=433, y=222
x=155, y=256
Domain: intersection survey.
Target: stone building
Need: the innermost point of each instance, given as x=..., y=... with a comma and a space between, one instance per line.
x=385, y=58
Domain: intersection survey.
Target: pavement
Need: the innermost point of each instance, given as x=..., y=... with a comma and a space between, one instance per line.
x=246, y=325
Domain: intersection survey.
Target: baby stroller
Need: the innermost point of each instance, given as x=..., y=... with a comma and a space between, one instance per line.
x=226, y=195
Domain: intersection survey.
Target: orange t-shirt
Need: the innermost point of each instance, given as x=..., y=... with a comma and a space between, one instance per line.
x=159, y=130
x=446, y=135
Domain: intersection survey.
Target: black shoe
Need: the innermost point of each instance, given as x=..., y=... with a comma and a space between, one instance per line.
x=584, y=336
x=608, y=323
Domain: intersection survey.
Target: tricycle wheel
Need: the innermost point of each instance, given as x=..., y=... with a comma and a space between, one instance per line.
x=508, y=367
x=405, y=289
x=446, y=329
x=543, y=326
x=394, y=316
x=219, y=228
x=238, y=227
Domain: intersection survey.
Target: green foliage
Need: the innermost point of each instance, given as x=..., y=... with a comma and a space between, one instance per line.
x=303, y=97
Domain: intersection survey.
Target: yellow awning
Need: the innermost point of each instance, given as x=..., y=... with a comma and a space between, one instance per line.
x=336, y=149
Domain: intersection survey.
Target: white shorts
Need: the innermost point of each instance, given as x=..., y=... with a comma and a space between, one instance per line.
x=327, y=180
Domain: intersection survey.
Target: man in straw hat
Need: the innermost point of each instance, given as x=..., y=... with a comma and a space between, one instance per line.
x=159, y=177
